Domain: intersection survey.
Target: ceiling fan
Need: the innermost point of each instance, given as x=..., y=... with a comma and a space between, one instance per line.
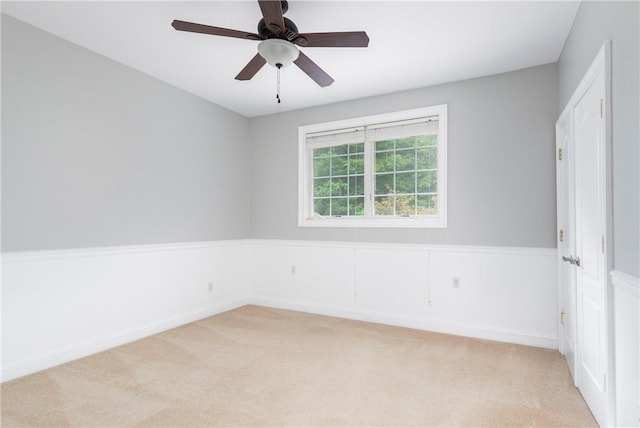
x=280, y=39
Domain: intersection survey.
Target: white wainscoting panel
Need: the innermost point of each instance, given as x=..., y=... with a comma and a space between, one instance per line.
x=505, y=294
x=65, y=304
x=626, y=303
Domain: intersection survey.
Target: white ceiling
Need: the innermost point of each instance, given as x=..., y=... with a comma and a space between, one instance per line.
x=412, y=44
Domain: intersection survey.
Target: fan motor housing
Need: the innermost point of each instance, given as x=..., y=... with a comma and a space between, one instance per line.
x=290, y=30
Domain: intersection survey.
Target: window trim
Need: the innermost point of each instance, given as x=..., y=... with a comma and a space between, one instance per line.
x=305, y=173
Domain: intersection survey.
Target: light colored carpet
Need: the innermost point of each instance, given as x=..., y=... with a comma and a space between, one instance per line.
x=256, y=366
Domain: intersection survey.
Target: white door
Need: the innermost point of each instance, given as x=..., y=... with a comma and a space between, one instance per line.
x=590, y=225
x=584, y=213
x=566, y=241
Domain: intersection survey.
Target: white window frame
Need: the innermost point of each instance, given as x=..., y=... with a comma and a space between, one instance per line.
x=306, y=217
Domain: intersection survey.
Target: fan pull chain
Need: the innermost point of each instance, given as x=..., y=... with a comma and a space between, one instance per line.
x=278, y=91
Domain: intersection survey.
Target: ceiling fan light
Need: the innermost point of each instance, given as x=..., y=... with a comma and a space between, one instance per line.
x=278, y=51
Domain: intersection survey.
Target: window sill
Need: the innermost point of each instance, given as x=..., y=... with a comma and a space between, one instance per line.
x=392, y=223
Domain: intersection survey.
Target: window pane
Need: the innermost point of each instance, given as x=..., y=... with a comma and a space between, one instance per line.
x=427, y=182
x=339, y=186
x=322, y=151
x=321, y=206
x=404, y=168
x=427, y=158
x=338, y=174
x=384, y=145
x=405, y=160
x=406, y=182
x=356, y=206
x=356, y=185
x=426, y=140
x=339, y=150
x=384, y=162
x=321, y=187
x=384, y=184
x=321, y=167
x=356, y=148
x=406, y=143
x=356, y=164
x=427, y=204
x=338, y=206
x=339, y=165
x=405, y=205
x=384, y=205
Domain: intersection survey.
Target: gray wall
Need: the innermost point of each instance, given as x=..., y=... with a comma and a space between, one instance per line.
x=618, y=22
x=95, y=153
x=501, y=163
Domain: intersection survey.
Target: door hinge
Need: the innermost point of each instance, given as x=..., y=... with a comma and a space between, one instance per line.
x=559, y=154
x=604, y=382
x=562, y=317
x=561, y=235
x=602, y=244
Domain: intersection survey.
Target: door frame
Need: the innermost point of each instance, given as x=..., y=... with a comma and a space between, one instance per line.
x=600, y=67
x=565, y=234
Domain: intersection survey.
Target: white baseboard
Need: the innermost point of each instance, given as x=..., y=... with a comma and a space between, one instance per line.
x=478, y=332
x=70, y=353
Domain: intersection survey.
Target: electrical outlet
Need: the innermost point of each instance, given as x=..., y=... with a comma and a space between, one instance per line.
x=455, y=282
x=210, y=287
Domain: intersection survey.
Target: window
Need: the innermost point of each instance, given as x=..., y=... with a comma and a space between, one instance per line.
x=378, y=171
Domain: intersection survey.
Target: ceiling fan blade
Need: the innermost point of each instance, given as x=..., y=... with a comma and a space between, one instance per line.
x=216, y=31
x=313, y=70
x=348, y=39
x=272, y=13
x=251, y=68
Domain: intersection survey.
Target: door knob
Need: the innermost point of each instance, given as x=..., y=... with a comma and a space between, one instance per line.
x=572, y=260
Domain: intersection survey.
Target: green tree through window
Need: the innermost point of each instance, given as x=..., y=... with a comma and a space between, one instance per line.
x=338, y=180
x=406, y=176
